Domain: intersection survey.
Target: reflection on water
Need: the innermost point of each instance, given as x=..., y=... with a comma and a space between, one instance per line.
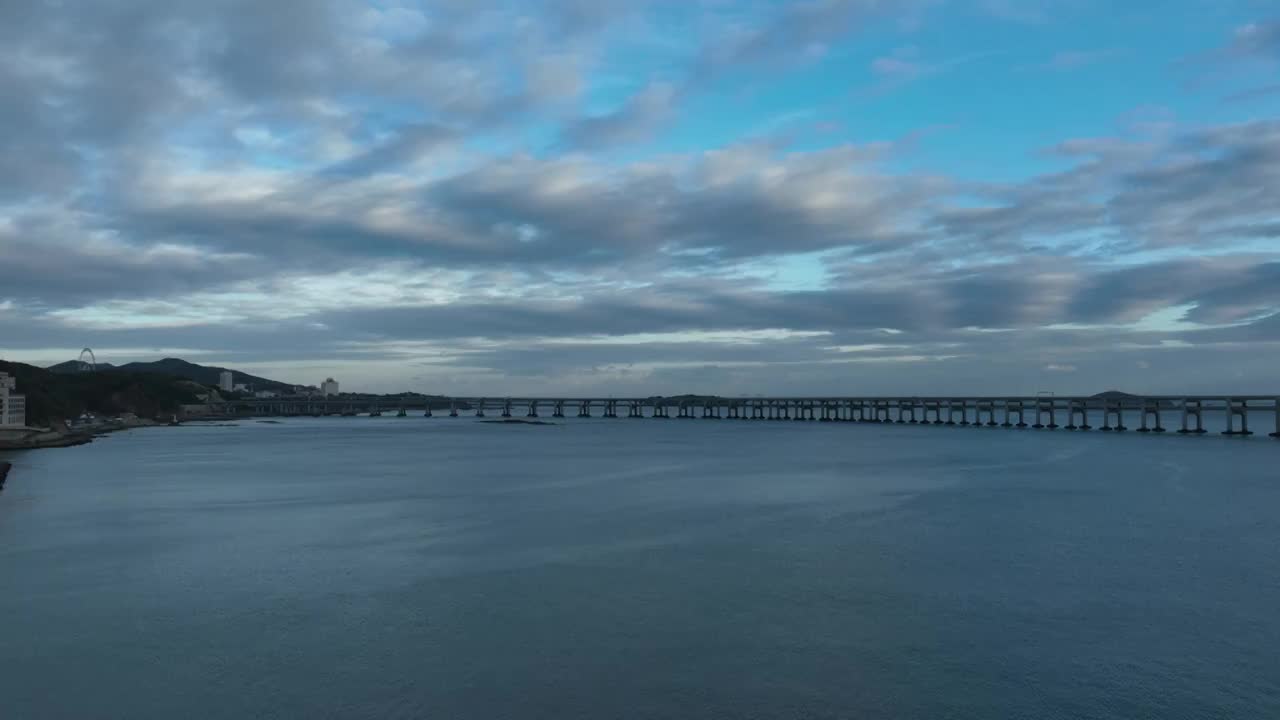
x=412, y=567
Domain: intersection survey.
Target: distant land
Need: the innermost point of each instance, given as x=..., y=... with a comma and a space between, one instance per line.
x=54, y=397
x=179, y=368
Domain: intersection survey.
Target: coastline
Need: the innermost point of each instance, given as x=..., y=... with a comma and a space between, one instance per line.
x=37, y=439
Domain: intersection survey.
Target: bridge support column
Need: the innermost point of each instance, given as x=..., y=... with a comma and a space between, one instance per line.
x=1192, y=409
x=932, y=408
x=584, y=409
x=533, y=409
x=1012, y=407
x=427, y=412
x=1150, y=411
x=557, y=411
x=506, y=408
x=954, y=407
x=611, y=409
x=1240, y=409
x=1110, y=408
x=1043, y=408
x=880, y=411
x=402, y=413
x=1081, y=408
x=480, y=408
x=453, y=408
x=988, y=408
x=906, y=409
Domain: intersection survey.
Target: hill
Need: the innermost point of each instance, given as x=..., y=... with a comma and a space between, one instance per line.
x=52, y=397
x=1116, y=395
x=178, y=368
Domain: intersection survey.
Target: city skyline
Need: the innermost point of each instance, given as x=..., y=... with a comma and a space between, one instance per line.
x=831, y=196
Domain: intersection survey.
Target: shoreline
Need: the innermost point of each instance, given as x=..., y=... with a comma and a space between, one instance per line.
x=36, y=439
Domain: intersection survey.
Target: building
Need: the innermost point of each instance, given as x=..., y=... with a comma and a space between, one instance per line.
x=225, y=381
x=329, y=387
x=13, y=407
x=266, y=394
x=240, y=387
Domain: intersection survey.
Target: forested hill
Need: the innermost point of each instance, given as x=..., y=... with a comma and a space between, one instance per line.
x=53, y=397
x=176, y=367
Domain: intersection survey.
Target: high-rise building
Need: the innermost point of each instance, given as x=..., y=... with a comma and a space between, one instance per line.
x=329, y=387
x=13, y=407
x=226, y=382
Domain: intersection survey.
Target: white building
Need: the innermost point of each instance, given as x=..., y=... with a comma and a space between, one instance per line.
x=13, y=407
x=266, y=394
x=240, y=387
x=329, y=387
x=225, y=381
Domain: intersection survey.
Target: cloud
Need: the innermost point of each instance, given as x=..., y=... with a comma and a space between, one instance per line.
x=411, y=189
x=637, y=119
x=1257, y=40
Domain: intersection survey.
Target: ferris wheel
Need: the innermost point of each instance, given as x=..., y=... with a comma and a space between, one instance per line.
x=87, y=362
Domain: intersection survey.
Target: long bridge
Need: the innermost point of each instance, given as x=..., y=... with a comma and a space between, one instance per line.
x=1106, y=413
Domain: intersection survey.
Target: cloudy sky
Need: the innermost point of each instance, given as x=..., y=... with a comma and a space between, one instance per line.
x=618, y=196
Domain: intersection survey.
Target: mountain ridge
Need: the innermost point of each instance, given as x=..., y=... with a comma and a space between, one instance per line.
x=179, y=368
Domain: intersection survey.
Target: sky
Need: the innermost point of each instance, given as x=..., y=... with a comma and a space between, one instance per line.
x=622, y=197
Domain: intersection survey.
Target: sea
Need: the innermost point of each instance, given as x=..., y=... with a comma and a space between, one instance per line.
x=620, y=568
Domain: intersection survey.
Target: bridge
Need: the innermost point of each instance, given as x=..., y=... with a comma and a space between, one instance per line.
x=1042, y=412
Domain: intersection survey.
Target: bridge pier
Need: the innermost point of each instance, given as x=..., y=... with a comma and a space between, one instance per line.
x=1240, y=409
x=989, y=408
x=1192, y=409
x=931, y=407
x=1043, y=408
x=882, y=413
x=1080, y=407
x=480, y=408
x=1110, y=408
x=453, y=409
x=1150, y=410
x=506, y=408
x=954, y=407
x=906, y=410
x=611, y=409
x=1010, y=408
x=533, y=409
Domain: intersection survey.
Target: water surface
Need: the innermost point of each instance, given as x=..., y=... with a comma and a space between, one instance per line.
x=412, y=568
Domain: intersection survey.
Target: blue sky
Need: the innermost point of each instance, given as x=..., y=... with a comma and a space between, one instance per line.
x=601, y=195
